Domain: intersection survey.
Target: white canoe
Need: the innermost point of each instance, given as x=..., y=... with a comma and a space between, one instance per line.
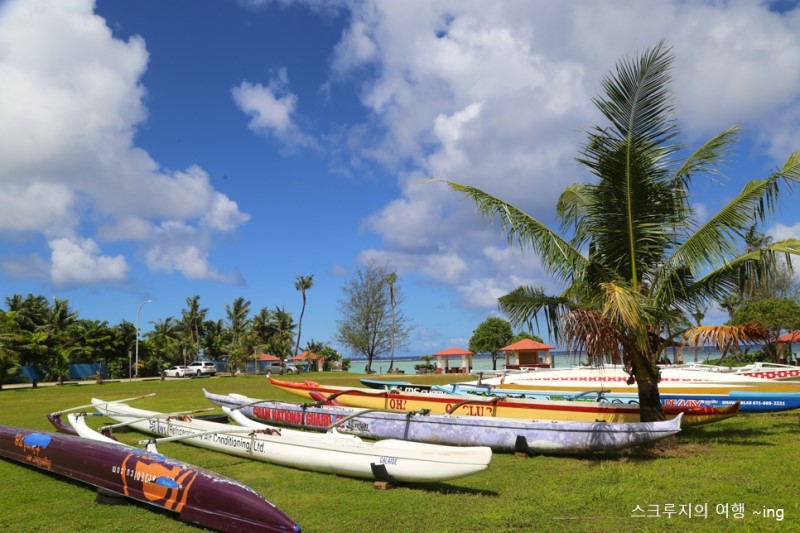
x=501, y=434
x=333, y=453
x=674, y=380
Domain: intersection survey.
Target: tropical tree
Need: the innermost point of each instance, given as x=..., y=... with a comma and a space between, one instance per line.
x=632, y=258
x=366, y=326
x=165, y=340
x=302, y=284
x=491, y=335
x=193, y=318
x=775, y=314
x=280, y=334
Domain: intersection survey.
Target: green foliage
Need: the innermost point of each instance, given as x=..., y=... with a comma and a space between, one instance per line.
x=491, y=335
x=633, y=260
x=776, y=314
x=371, y=321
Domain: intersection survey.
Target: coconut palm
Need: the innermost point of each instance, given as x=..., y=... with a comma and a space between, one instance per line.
x=192, y=320
x=391, y=279
x=632, y=258
x=302, y=284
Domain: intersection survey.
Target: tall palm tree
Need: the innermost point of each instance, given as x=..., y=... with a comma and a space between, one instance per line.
x=281, y=332
x=192, y=322
x=391, y=279
x=635, y=261
x=302, y=284
x=238, y=313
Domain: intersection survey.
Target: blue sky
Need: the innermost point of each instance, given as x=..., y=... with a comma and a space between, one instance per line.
x=161, y=149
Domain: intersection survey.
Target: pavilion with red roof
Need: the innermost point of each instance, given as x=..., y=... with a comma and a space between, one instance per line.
x=315, y=362
x=443, y=360
x=528, y=353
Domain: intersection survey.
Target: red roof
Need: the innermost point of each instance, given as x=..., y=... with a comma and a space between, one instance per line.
x=526, y=344
x=268, y=357
x=452, y=351
x=791, y=337
x=304, y=355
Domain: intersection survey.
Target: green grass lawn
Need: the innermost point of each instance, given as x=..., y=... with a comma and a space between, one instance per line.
x=750, y=461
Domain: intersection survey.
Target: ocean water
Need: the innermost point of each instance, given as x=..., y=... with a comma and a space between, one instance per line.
x=484, y=362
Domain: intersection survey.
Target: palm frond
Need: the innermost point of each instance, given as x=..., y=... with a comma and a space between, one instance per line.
x=707, y=158
x=558, y=255
x=524, y=304
x=722, y=338
x=728, y=277
x=718, y=239
x=590, y=332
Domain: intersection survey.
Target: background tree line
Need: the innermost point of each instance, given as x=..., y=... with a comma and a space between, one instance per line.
x=50, y=335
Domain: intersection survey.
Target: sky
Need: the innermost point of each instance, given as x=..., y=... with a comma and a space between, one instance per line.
x=161, y=149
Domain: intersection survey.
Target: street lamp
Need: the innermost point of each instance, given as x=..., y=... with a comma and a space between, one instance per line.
x=137, y=335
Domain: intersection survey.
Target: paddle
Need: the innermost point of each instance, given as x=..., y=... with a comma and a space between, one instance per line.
x=92, y=405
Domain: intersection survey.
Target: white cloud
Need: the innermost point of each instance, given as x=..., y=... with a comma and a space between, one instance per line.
x=178, y=247
x=79, y=262
x=72, y=103
x=497, y=95
x=271, y=109
x=268, y=111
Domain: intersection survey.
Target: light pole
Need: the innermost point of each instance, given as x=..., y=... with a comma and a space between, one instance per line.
x=137, y=335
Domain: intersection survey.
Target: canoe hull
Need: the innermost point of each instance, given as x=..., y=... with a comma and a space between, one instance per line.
x=330, y=453
x=674, y=380
x=750, y=401
x=504, y=435
x=199, y=496
x=497, y=407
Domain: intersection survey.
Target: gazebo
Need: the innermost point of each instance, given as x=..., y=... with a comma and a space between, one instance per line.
x=443, y=361
x=314, y=361
x=785, y=342
x=528, y=353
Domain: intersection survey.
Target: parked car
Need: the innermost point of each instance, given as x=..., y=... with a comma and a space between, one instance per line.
x=176, y=371
x=201, y=368
x=282, y=367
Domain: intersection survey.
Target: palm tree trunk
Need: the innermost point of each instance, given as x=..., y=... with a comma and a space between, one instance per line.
x=647, y=376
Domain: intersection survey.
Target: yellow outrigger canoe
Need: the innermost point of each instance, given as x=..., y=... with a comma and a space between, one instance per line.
x=497, y=407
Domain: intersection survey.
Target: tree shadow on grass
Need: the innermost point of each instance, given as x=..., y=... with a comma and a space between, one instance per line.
x=444, y=488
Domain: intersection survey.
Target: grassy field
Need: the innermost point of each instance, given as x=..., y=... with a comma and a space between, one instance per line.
x=748, y=464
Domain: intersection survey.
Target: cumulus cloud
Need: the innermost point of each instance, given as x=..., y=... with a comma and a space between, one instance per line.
x=271, y=109
x=76, y=262
x=179, y=247
x=71, y=171
x=497, y=96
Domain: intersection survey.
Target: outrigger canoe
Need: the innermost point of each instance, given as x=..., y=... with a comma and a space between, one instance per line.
x=616, y=379
x=500, y=434
x=761, y=370
x=466, y=405
x=749, y=401
x=392, y=461
x=199, y=496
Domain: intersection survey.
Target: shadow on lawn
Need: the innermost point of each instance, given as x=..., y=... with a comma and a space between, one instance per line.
x=444, y=488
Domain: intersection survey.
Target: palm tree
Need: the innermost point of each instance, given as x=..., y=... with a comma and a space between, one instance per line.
x=192, y=321
x=391, y=279
x=281, y=332
x=635, y=261
x=302, y=284
x=237, y=315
